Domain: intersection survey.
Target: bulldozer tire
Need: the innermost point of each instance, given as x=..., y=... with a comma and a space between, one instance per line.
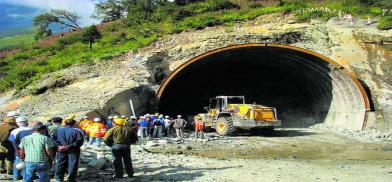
x=224, y=126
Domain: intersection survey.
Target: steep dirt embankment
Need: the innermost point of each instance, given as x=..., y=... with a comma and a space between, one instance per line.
x=84, y=88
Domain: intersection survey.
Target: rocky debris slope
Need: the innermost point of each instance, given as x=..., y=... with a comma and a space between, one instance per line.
x=372, y=135
x=88, y=87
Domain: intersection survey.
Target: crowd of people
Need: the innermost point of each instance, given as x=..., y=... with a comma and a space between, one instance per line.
x=30, y=149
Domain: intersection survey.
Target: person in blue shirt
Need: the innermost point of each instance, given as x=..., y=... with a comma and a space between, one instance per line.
x=68, y=141
x=15, y=137
x=109, y=122
x=143, y=126
x=150, y=119
x=158, y=124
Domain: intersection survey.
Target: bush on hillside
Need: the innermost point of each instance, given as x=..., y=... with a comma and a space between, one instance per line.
x=212, y=5
x=385, y=23
x=70, y=39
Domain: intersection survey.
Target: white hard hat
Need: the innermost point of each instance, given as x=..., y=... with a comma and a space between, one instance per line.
x=179, y=116
x=147, y=115
x=85, y=117
x=161, y=116
x=110, y=117
x=167, y=117
x=115, y=117
x=21, y=119
x=12, y=114
x=97, y=119
x=123, y=116
x=142, y=117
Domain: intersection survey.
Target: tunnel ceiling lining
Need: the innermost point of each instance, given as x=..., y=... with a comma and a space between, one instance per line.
x=285, y=47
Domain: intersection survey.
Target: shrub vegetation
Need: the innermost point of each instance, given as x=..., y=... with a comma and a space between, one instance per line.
x=131, y=32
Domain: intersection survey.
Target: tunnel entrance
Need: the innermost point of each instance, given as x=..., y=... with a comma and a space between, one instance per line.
x=305, y=87
x=142, y=97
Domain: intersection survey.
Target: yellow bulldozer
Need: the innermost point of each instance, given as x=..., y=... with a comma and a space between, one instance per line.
x=226, y=114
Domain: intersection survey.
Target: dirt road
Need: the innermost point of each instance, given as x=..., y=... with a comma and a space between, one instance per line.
x=286, y=155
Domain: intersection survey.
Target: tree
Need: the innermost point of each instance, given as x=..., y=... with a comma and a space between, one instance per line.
x=140, y=10
x=66, y=18
x=54, y=16
x=42, y=32
x=41, y=22
x=91, y=35
x=109, y=11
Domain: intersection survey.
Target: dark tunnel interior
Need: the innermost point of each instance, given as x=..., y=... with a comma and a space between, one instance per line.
x=296, y=83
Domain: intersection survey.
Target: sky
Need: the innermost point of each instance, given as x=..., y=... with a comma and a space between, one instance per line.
x=84, y=8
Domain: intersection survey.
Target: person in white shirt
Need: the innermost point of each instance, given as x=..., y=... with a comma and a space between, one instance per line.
x=168, y=126
x=15, y=138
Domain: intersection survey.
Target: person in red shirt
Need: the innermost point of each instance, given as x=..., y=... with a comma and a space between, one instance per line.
x=199, y=127
x=97, y=131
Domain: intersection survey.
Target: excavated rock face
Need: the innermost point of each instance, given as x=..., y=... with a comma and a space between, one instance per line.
x=305, y=92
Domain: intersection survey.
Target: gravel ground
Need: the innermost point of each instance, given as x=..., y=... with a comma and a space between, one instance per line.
x=285, y=155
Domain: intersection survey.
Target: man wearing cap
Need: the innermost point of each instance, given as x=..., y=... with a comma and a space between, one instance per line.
x=12, y=114
x=120, y=138
x=97, y=130
x=15, y=138
x=6, y=147
x=168, y=126
x=179, y=125
x=150, y=119
x=68, y=141
x=199, y=127
x=158, y=123
x=36, y=152
x=143, y=126
x=109, y=122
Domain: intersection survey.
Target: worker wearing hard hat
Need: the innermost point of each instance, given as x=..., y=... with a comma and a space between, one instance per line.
x=168, y=126
x=158, y=124
x=15, y=137
x=199, y=127
x=6, y=147
x=84, y=123
x=71, y=117
x=12, y=114
x=143, y=123
x=109, y=122
x=96, y=131
x=120, y=137
x=11, y=118
x=179, y=125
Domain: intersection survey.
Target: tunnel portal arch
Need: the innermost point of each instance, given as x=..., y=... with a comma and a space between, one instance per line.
x=305, y=87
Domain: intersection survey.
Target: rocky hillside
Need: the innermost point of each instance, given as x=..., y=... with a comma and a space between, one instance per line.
x=83, y=88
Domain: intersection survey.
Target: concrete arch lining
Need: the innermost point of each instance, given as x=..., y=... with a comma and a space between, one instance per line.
x=340, y=88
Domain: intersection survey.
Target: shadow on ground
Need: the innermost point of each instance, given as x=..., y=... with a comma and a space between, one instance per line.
x=275, y=133
x=175, y=173
x=164, y=173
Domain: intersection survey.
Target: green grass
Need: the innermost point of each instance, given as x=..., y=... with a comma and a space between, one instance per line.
x=358, y=8
x=16, y=41
x=23, y=68
x=385, y=23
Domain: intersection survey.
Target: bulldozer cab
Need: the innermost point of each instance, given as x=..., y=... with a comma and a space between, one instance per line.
x=220, y=103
